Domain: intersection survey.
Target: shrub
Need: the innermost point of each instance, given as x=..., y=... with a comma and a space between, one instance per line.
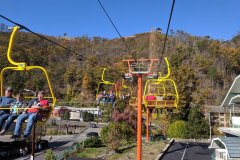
x=177, y=129
x=92, y=142
x=49, y=155
x=115, y=134
x=87, y=117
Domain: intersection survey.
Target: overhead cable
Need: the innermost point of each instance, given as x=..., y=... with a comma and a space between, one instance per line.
x=114, y=26
x=57, y=44
x=166, y=35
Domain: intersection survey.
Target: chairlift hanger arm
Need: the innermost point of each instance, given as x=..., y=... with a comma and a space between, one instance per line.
x=103, y=74
x=21, y=65
x=168, y=70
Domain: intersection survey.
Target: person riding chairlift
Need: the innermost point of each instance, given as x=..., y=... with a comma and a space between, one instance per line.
x=5, y=102
x=34, y=106
x=102, y=97
x=111, y=98
x=14, y=113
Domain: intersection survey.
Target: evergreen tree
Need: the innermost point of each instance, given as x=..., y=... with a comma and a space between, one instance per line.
x=197, y=125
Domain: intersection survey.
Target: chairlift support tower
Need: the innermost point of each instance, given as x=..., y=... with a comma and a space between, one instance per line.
x=140, y=68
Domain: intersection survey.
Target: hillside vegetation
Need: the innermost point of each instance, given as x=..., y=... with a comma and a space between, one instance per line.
x=203, y=68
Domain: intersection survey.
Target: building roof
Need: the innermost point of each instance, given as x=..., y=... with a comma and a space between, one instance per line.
x=233, y=95
x=218, y=109
x=231, y=144
x=231, y=131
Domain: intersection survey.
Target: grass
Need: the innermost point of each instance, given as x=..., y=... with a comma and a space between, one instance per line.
x=91, y=152
x=150, y=151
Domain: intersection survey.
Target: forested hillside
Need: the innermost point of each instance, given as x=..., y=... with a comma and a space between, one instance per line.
x=202, y=67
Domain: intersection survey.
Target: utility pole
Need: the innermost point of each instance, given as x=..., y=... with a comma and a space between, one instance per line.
x=210, y=127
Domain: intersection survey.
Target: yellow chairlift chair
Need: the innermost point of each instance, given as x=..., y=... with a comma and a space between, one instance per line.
x=161, y=92
x=106, y=86
x=22, y=67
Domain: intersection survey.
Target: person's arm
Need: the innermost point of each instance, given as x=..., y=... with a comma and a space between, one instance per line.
x=0, y=101
x=30, y=104
x=7, y=103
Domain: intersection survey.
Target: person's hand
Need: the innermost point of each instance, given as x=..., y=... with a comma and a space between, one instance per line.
x=24, y=112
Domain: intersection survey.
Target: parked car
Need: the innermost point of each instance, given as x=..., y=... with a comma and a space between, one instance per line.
x=92, y=134
x=94, y=126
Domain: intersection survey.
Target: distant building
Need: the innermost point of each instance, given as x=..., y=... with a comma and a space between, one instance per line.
x=220, y=116
x=156, y=30
x=58, y=111
x=78, y=113
x=55, y=112
x=75, y=113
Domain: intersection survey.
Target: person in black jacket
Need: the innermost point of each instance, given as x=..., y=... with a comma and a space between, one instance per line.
x=5, y=102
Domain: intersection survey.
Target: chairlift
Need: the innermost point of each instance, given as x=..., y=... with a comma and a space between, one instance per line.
x=22, y=67
x=105, y=86
x=124, y=91
x=161, y=92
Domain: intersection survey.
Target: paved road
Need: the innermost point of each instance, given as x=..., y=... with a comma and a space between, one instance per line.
x=188, y=151
x=60, y=143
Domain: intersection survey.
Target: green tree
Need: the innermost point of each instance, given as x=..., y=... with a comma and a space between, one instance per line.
x=116, y=134
x=87, y=117
x=177, y=129
x=187, y=81
x=197, y=124
x=92, y=142
x=65, y=115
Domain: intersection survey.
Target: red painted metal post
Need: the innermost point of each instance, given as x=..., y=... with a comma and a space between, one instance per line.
x=139, y=123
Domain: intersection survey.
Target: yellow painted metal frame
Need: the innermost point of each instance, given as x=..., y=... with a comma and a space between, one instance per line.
x=104, y=82
x=123, y=86
x=162, y=81
x=22, y=66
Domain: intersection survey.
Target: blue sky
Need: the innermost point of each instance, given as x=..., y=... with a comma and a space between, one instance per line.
x=219, y=19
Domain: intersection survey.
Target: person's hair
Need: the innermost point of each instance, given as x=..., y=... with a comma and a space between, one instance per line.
x=40, y=92
x=20, y=94
x=9, y=89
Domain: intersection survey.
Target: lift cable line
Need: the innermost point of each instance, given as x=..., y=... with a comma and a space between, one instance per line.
x=124, y=42
x=166, y=35
x=59, y=45
x=43, y=37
